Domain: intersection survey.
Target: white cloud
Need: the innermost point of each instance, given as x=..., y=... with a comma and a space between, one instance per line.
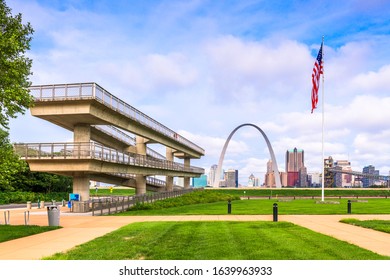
x=375, y=82
x=242, y=70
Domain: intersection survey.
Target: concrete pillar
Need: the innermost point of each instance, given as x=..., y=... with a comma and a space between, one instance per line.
x=81, y=186
x=140, y=184
x=82, y=133
x=140, y=180
x=140, y=143
x=187, y=179
x=169, y=179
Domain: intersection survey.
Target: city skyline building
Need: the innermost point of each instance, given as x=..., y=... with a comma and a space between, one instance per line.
x=301, y=178
x=294, y=160
x=231, y=178
x=253, y=181
x=212, y=172
x=269, y=178
x=315, y=179
x=199, y=182
x=370, y=169
x=295, y=168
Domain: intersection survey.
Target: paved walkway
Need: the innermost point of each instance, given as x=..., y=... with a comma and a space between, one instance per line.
x=80, y=228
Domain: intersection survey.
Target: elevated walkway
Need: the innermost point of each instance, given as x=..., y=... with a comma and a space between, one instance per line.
x=101, y=149
x=68, y=105
x=100, y=163
x=67, y=158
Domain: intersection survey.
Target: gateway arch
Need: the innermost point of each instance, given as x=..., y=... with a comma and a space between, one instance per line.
x=274, y=164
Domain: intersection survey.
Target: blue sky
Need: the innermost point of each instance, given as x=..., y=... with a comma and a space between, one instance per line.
x=204, y=67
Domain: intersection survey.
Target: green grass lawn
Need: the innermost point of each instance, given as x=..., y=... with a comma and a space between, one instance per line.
x=305, y=192
x=380, y=225
x=216, y=241
x=265, y=207
x=9, y=232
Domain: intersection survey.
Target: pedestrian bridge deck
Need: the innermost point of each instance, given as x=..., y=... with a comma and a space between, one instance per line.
x=69, y=104
x=65, y=158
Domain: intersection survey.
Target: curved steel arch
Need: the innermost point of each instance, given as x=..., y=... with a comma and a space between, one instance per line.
x=271, y=151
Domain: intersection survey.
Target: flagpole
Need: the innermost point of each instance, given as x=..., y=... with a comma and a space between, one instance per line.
x=323, y=114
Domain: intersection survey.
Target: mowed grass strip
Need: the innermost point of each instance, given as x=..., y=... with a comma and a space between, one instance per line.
x=265, y=207
x=216, y=241
x=379, y=225
x=9, y=232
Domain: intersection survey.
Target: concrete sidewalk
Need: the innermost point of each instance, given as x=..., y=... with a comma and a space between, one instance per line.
x=80, y=228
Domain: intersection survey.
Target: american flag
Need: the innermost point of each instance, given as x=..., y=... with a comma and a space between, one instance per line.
x=315, y=78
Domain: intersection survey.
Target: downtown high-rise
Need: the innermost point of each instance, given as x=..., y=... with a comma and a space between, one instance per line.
x=295, y=168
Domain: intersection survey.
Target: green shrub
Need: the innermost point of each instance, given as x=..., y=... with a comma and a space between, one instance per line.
x=23, y=197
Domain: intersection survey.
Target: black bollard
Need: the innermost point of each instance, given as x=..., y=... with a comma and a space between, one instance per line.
x=349, y=207
x=275, y=210
x=229, y=207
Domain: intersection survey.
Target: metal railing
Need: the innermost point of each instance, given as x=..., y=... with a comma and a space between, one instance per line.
x=125, y=138
x=117, y=204
x=92, y=150
x=94, y=91
x=149, y=180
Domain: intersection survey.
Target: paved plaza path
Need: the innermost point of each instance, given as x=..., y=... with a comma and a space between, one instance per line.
x=80, y=228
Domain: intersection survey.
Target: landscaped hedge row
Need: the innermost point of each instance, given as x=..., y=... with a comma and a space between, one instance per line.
x=23, y=197
x=197, y=197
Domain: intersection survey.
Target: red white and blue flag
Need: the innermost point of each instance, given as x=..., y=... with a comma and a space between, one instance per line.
x=315, y=78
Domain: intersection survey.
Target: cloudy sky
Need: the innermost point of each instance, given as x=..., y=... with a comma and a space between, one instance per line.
x=203, y=67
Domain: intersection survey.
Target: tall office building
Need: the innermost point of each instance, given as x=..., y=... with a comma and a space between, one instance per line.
x=295, y=168
x=302, y=177
x=294, y=160
x=231, y=178
x=369, y=181
x=269, y=180
x=211, y=177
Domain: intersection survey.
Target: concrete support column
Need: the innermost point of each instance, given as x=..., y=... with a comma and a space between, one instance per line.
x=169, y=179
x=140, y=143
x=81, y=186
x=140, y=184
x=140, y=180
x=187, y=179
x=82, y=133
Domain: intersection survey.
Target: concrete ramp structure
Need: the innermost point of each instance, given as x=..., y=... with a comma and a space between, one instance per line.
x=101, y=149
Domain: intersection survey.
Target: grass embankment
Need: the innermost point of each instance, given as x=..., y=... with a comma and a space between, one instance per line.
x=192, y=198
x=201, y=203
x=216, y=241
x=316, y=192
x=379, y=225
x=9, y=232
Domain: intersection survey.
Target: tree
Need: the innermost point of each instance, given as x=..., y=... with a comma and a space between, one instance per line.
x=10, y=164
x=42, y=182
x=15, y=174
x=15, y=67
